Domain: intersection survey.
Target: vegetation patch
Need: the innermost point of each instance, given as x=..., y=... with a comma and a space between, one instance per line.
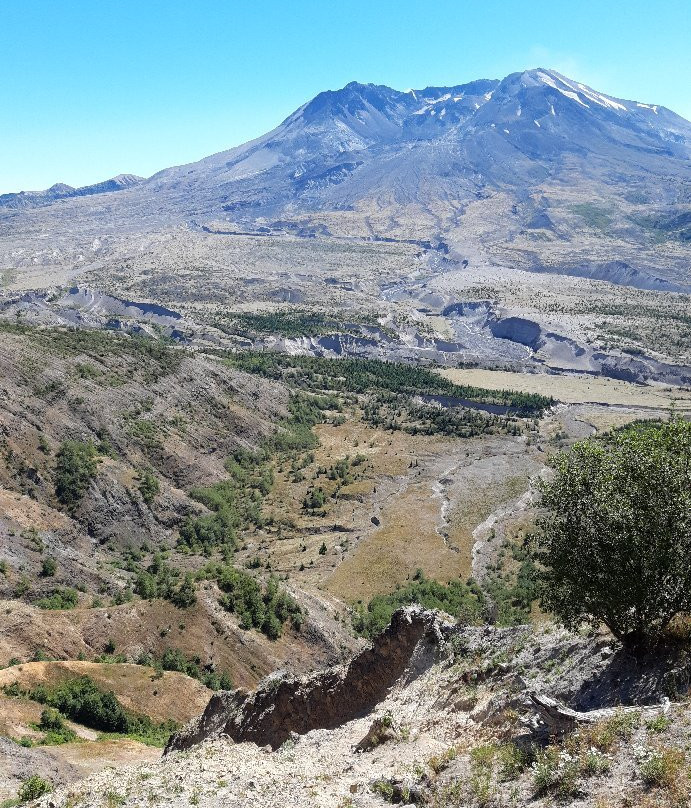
x=159, y=580
x=234, y=503
x=76, y=467
x=456, y=598
x=365, y=375
x=56, y=731
x=266, y=608
x=290, y=323
x=34, y=787
x=81, y=700
x=513, y=590
x=173, y=659
x=153, y=359
x=62, y=598
x=594, y=216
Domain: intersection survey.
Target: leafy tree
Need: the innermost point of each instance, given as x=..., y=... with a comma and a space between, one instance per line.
x=76, y=467
x=145, y=585
x=614, y=540
x=157, y=580
x=48, y=567
x=185, y=596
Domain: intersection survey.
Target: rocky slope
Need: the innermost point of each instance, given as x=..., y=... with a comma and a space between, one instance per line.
x=437, y=715
x=470, y=331
x=177, y=415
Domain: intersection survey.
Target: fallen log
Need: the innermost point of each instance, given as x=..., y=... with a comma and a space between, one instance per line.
x=557, y=718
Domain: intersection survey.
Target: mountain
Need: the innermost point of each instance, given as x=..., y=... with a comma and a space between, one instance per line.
x=30, y=199
x=536, y=171
x=368, y=142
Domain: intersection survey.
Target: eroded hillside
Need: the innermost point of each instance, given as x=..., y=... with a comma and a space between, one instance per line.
x=437, y=715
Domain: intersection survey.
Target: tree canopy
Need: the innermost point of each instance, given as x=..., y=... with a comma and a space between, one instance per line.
x=614, y=538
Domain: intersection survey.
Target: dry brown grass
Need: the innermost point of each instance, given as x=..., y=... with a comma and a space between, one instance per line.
x=475, y=504
x=573, y=389
x=408, y=539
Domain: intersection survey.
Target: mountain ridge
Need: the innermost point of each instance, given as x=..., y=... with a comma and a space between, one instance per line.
x=61, y=190
x=535, y=171
x=346, y=98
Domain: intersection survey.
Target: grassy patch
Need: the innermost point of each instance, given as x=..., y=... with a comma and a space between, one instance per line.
x=593, y=215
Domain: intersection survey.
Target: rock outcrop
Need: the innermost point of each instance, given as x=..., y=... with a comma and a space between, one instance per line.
x=286, y=706
x=431, y=714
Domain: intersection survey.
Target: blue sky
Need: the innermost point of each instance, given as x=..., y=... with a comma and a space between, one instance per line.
x=92, y=88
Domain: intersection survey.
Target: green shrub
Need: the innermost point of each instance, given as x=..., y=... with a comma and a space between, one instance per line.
x=65, y=598
x=51, y=719
x=185, y=596
x=53, y=725
x=76, y=467
x=34, y=787
x=658, y=724
x=314, y=499
x=48, y=567
x=22, y=586
x=84, y=702
x=513, y=760
x=555, y=770
x=661, y=767
x=149, y=486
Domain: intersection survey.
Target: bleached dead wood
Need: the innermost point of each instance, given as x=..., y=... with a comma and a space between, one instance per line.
x=558, y=718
